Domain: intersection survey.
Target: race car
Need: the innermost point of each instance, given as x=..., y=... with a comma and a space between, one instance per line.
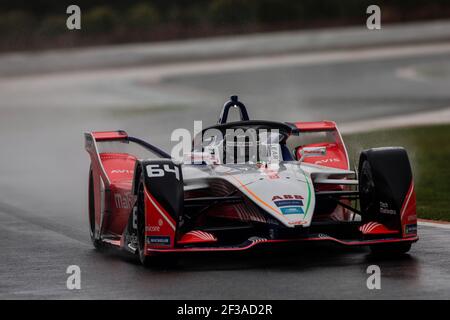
x=220, y=195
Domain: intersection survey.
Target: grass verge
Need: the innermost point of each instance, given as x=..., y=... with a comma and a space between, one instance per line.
x=429, y=152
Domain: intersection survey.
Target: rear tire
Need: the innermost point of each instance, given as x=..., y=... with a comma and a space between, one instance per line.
x=98, y=244
x=140, y=203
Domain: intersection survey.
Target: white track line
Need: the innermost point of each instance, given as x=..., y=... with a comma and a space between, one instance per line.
x=157, y=73
x=434, y=117
x=434, y=224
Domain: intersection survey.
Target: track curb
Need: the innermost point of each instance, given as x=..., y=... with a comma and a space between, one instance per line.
x=434, y=223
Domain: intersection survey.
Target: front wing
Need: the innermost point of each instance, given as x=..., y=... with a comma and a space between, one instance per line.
x=257, y=241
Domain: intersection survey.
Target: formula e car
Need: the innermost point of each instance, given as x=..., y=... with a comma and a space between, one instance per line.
x=219, y=196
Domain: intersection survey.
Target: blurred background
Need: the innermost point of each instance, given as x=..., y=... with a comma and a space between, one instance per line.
x=149, y=67
x=40, y=24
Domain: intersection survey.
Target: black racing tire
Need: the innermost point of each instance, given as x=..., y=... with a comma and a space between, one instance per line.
x=367, y=191
x=385, y=176
x=390, y=249
x=98, y=244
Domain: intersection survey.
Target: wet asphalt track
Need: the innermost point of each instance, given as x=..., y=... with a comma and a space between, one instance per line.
x=43, y=179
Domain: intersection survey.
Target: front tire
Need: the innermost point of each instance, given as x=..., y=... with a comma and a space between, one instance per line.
x=367, y=192
x=385, y=177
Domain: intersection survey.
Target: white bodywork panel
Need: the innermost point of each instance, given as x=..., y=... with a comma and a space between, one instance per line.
x=284, y=190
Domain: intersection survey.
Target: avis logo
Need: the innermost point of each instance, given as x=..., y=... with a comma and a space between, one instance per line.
x=329, y=160
x=122, y=171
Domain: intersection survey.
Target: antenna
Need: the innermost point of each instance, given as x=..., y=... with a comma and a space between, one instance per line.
x=233, y=103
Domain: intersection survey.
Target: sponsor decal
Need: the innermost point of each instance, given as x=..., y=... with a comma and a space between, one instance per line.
x=287, y=196
x=292, y=210
x=411, y=228
x=160, y=170
x=123, y=201
x=289, y=204
x=329, y=160
x=296, y=223
x=155, y=228
x=152, y=228
x=122, y=171
x=286, y=203
x=384, y=208
x=159, y=240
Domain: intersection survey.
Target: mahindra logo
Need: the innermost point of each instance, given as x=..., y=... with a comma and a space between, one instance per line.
x=124, y=201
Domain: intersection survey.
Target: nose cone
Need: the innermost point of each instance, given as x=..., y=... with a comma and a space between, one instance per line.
x=286, y=198
x=287, y=195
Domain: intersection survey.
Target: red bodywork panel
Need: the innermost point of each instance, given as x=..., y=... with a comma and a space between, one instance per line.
x=375, y=228
x=112, y=181
x=408, y=214
x=334, y=158
x=197, y=236
x=109, y=135
x=160, y=226
x=316, y=126
x=336, y=155
x=326, y=135
x=120, y=169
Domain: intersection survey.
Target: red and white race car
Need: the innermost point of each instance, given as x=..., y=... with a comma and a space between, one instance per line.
x=143, y=201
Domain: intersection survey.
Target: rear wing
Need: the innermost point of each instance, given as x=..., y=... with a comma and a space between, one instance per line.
x=90, y=144
x=316, y=126
x=109, y=135
x=93, y=138
x=100, y=185
x=113, y=154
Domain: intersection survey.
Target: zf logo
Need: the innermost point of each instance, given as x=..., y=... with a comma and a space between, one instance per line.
x=159, y=170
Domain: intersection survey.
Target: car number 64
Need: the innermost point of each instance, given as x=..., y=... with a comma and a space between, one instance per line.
x=155, y=170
